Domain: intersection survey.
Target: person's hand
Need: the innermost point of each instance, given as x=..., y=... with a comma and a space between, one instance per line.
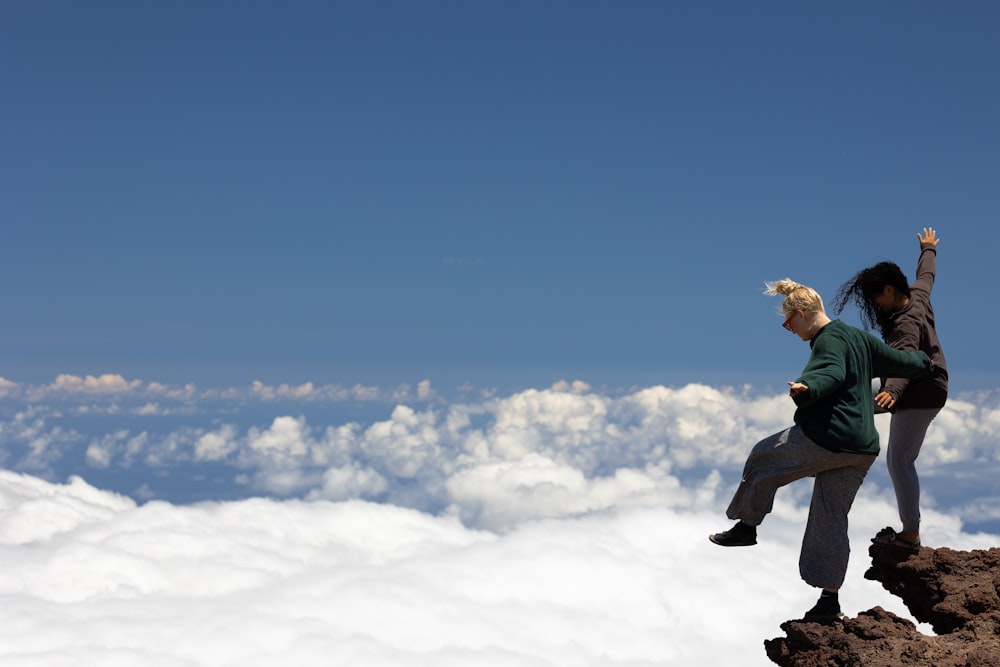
x=885, y=400
x=796, y=388
x=929, y=236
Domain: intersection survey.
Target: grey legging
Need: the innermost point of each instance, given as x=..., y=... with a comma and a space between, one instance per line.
x=906, y=435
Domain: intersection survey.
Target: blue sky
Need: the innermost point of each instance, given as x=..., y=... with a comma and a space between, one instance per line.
x=500, y=193
x=360, y=301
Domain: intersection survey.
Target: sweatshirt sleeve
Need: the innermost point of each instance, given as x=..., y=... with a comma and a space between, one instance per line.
x=824, y=372
x=889, y=362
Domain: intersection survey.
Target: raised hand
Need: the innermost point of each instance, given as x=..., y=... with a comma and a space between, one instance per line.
x=929, y=236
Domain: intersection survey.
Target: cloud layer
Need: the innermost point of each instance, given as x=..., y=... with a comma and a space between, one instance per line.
x=550, y=527
x=90, y=577
x=492, y=461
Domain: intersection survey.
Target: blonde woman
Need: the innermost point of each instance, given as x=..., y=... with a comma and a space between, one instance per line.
x=833, y=439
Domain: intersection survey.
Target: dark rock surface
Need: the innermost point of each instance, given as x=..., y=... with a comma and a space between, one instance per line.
x=956, y=592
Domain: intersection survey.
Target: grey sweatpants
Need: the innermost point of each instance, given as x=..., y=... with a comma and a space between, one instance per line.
x=906, y=435
x=789, y=456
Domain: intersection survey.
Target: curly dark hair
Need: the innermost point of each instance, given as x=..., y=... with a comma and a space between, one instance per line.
x=865, y=284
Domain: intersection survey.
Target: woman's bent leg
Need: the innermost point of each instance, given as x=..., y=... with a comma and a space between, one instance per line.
x=775, y=461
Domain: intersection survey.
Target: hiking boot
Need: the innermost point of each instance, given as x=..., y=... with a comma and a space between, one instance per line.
x=826, y=609
x=740, y=535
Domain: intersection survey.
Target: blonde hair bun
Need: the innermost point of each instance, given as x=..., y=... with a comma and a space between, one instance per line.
x=784, y=287
x=797, y=296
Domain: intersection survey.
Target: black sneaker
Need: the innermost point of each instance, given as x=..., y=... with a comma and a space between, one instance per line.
x=740, y=535
x=825, y=610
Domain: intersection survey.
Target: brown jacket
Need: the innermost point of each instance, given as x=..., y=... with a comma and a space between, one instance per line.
x=912, y=328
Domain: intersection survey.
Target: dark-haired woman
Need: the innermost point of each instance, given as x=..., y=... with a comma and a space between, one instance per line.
x=903, y=314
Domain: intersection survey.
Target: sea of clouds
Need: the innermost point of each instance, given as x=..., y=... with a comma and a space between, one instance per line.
x=374, y=526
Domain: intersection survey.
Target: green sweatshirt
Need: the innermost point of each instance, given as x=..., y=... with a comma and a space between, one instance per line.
x=838, y=410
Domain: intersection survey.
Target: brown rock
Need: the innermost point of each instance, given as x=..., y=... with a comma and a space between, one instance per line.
x=956, y=592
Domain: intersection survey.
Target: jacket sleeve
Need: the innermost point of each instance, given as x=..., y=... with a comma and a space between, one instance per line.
x=926, y=268
x=906, y=335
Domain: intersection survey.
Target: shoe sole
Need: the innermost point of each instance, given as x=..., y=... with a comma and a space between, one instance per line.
x=722, y=543
x=839, y=616
x=898, y=545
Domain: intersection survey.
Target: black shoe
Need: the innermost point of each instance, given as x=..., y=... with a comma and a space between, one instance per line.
x=740, y=535
x=824, y=610
x=887, y=537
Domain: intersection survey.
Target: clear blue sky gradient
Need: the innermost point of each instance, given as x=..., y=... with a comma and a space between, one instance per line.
x=499, y=192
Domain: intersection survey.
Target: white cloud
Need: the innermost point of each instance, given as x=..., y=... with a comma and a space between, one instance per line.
x=267, y=393
x=309, y=392
x=182, y=393
x=279, y=455
x=90, y=577
x=7, y=388
x=424, y=390
x=116, y=446
x=365, y=393
x=700, y=424
x=112, y=386
x=493, y=461
x=350, y=481
x=284, y=439
x=406, y=444
x=99, y=453
x=504, y=494
x=41, y=444
x=150, y=409
x=549, y=527
x=101, y=384
x=216, y=445
x=36, y=511
x=575, y=387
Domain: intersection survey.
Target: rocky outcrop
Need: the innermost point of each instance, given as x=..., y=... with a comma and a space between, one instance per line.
x=956, y=592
